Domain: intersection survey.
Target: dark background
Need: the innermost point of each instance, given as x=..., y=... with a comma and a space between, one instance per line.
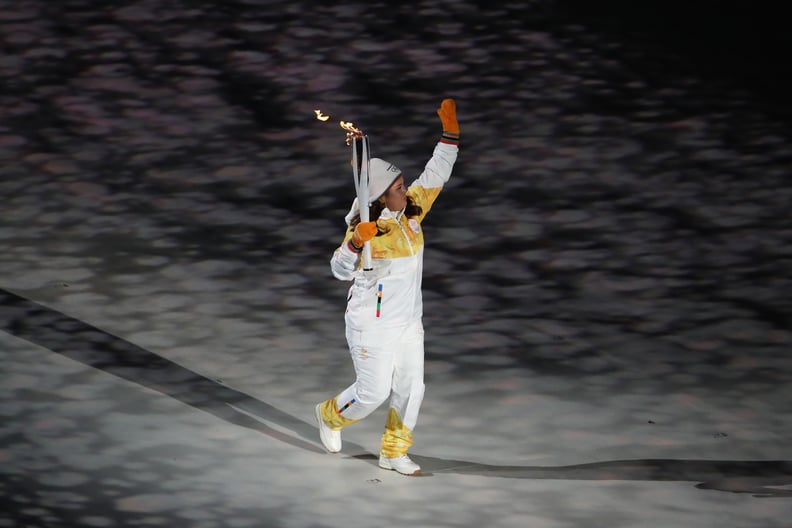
x=606, y=279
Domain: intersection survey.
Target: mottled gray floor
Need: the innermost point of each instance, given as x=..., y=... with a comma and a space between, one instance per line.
x=607, y=282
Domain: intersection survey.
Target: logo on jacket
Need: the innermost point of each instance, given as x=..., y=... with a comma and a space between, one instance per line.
x=414, y=225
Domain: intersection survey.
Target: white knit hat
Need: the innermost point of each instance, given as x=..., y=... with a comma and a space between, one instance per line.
x=381, y=175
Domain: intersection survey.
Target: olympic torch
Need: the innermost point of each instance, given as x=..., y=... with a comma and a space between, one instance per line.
x=360, y=171
x=361, y=156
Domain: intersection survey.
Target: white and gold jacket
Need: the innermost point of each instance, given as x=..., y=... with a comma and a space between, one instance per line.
x=390, y=295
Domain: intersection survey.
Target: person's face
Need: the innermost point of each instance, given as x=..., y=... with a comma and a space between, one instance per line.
x=396, y=195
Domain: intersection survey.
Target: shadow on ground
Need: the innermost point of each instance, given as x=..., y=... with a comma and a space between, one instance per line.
x=96, y=348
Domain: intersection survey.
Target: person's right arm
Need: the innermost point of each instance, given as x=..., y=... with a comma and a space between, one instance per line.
x=346, y=259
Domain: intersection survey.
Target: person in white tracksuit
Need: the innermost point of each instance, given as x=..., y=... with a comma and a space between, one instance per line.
x=384, y=327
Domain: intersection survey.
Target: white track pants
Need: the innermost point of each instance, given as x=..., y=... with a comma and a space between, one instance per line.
x=387, y=363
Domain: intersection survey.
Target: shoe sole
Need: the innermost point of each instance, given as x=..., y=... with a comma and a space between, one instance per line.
x=385, y=465
x=320, y=423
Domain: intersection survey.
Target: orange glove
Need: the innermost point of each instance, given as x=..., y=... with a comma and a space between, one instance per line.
x=447, y=113
x=364, y=232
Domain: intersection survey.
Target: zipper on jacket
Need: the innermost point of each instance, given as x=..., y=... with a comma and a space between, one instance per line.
x=404, y=234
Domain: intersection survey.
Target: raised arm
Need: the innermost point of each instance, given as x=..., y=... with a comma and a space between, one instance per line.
x=437, y=171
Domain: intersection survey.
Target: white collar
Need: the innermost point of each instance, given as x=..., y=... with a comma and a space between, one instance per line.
x=388, y=214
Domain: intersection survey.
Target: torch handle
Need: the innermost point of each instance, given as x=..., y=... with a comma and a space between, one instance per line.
x=367, y=257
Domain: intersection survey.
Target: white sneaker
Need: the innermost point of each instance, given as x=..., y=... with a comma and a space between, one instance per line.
x=402, y=464
x=330, y=439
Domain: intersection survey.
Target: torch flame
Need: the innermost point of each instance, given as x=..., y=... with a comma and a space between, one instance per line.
x=352, y=132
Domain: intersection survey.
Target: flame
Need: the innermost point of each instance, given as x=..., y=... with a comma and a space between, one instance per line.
x=350, y=127
x=352, y=132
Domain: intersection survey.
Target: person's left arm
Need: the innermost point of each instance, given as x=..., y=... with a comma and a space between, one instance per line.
x=427, y=187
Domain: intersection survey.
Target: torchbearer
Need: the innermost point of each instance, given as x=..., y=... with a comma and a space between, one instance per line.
x=384, y=328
